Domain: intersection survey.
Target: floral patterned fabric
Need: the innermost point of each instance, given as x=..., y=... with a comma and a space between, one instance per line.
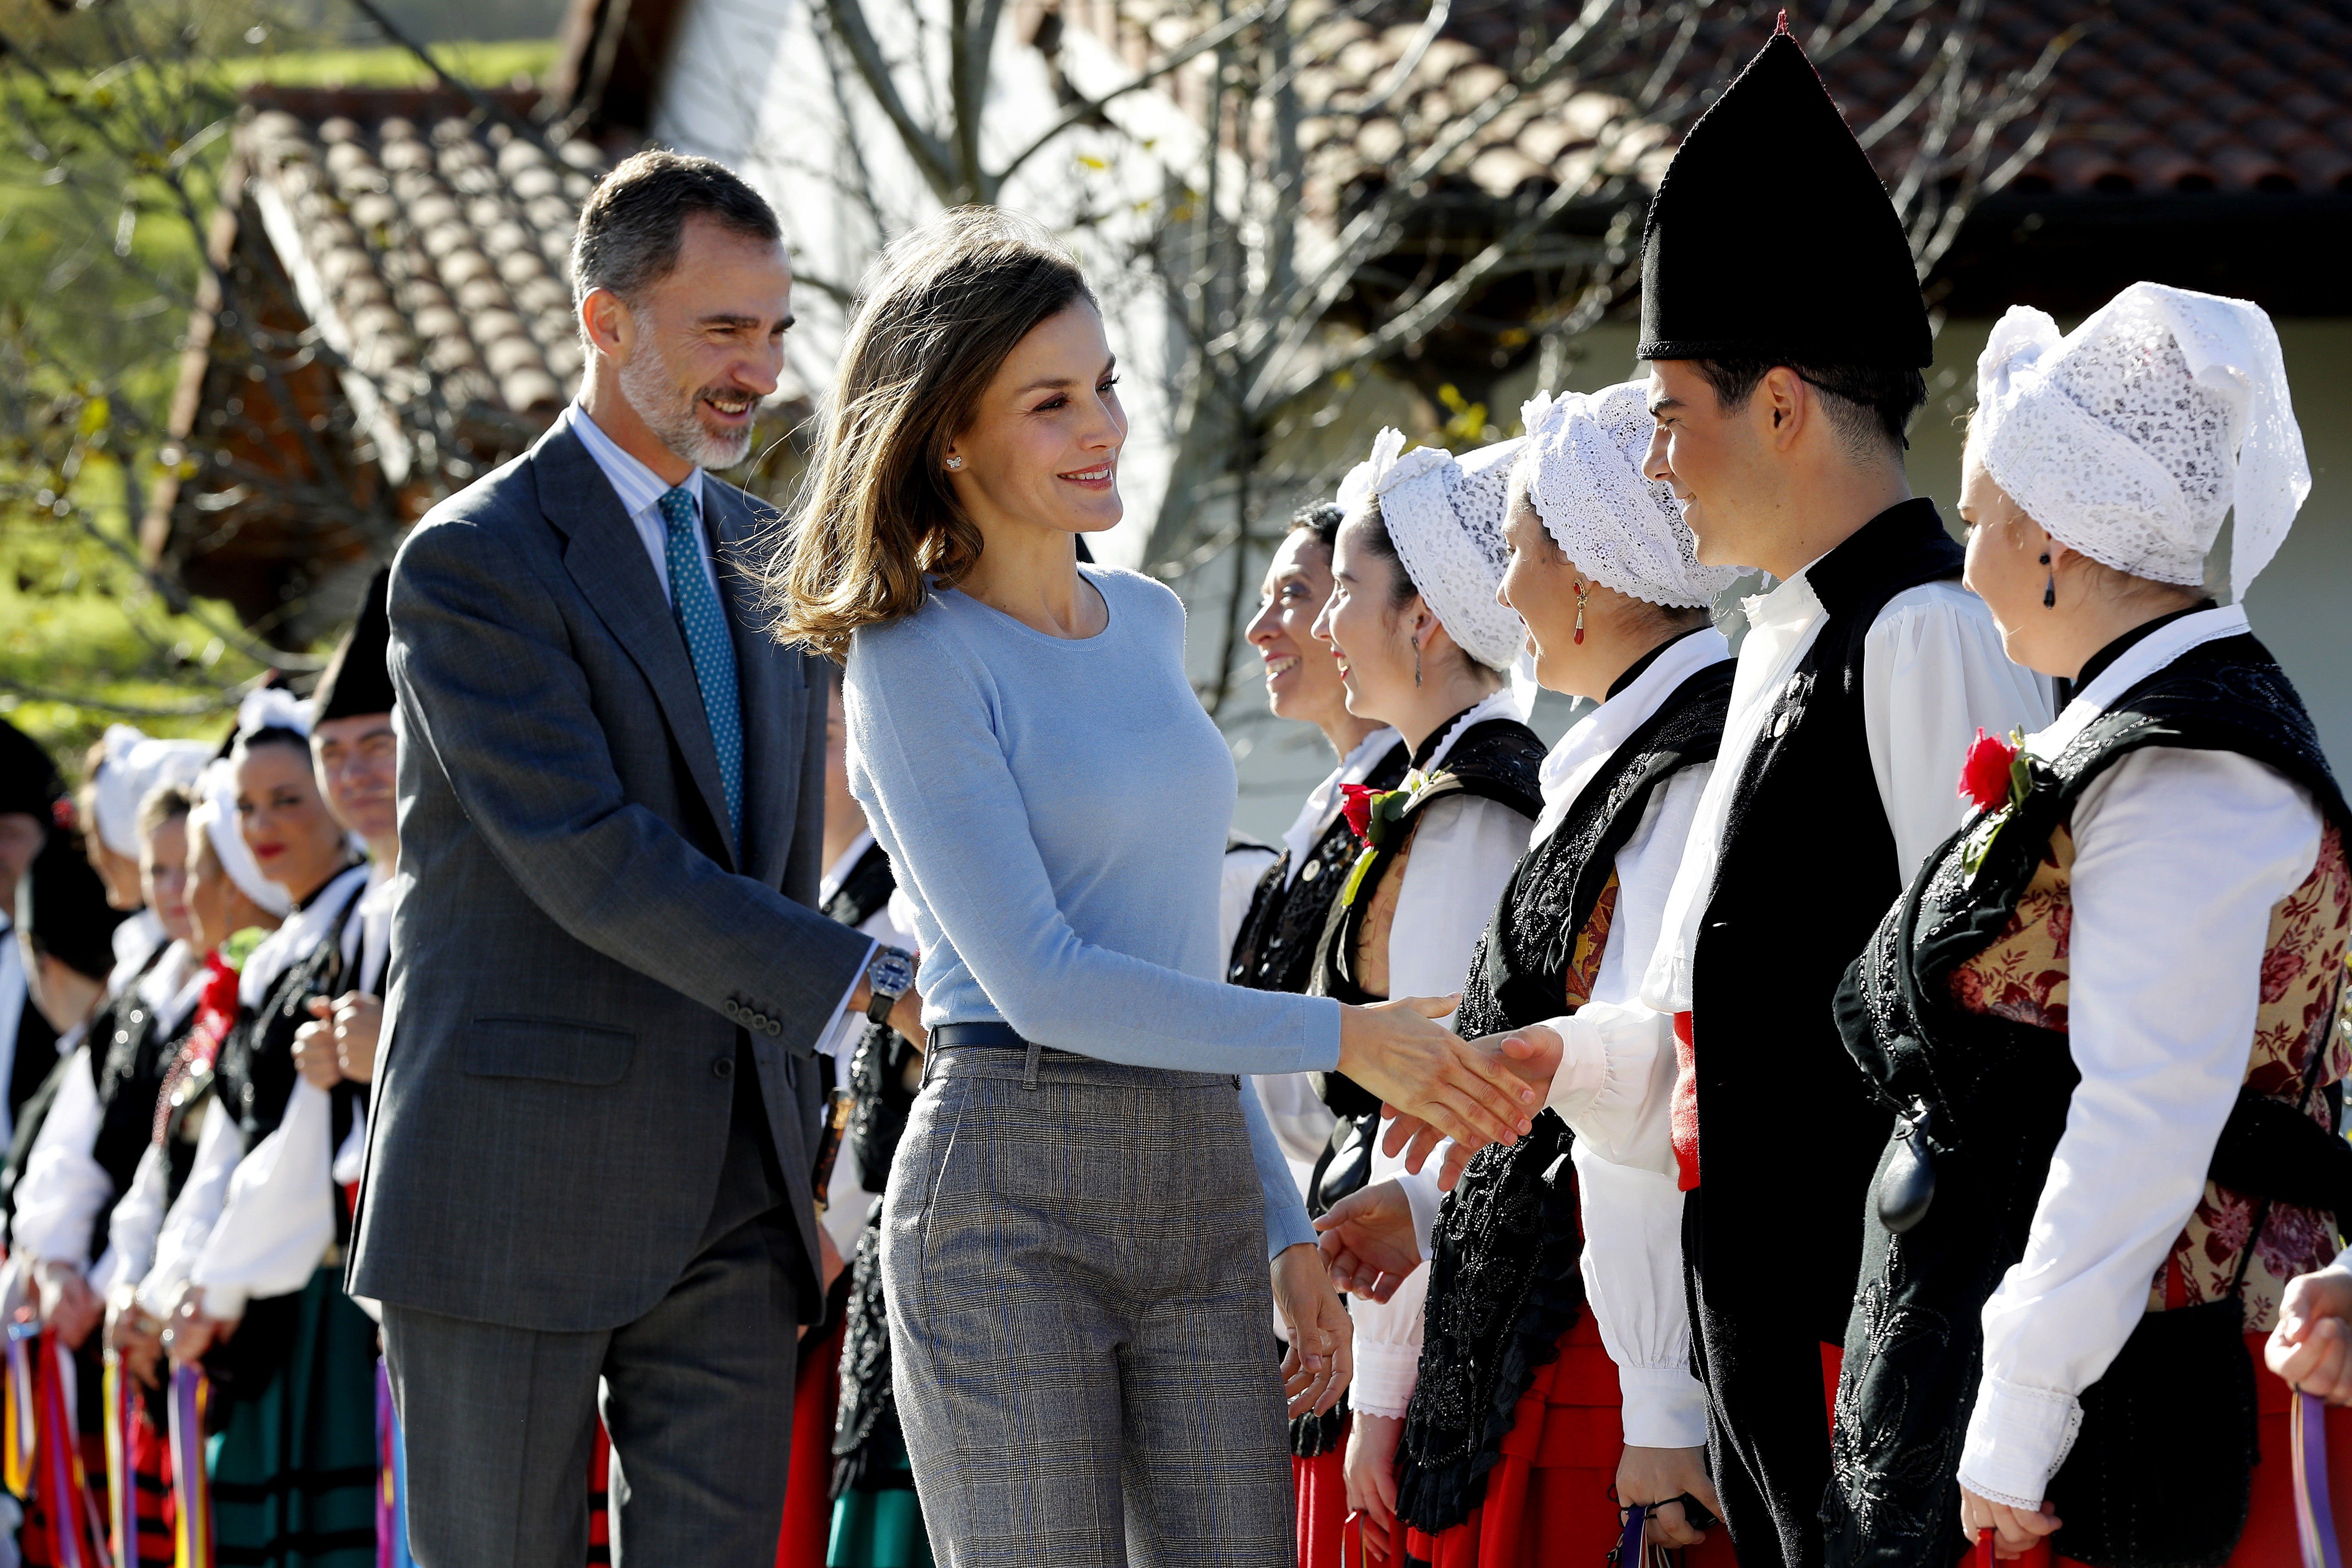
x=2022, y=976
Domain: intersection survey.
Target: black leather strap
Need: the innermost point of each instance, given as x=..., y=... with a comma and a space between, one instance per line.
x=1002, y=1036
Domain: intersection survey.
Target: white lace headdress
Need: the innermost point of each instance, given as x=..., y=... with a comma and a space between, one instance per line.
x=1583, y=467
x=2130, y=437
x=273, y=708
x=1444, y=517
x=135, y=765
x=215, y=815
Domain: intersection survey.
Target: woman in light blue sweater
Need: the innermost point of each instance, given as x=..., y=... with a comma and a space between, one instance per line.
x=1082, y=1206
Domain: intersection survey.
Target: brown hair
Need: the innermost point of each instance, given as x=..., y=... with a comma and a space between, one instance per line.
x=943, y=309
x=164, y=802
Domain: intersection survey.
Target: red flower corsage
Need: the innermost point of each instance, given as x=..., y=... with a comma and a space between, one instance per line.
x=1986, y=775
x=1356, y=806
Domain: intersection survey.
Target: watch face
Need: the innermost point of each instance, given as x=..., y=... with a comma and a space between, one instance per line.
x=891, y=971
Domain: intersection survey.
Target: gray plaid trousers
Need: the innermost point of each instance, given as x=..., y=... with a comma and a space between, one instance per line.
x=1076, y=1277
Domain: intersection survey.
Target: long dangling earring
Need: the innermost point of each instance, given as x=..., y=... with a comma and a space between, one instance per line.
x=1583, y=592
x=2050, y=592
x=1417, y=661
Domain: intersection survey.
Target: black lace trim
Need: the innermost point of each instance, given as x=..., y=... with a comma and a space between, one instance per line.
x=1275, y=950
x=866, y=1435
x=1504, y=1283
x=865, y=890
x=1504, y=1287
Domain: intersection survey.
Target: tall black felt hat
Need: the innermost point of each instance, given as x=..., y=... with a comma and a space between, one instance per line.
x=357, y=679
x=61, y=904
x=28, y=780
x=1771, y=237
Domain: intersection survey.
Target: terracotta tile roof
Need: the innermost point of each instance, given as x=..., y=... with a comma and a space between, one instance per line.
x=432, y=250
x=2153, y=96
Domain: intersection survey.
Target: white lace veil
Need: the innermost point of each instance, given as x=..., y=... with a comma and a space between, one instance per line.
x=1444, y=517
x=1582, y=469
x=2131, y=438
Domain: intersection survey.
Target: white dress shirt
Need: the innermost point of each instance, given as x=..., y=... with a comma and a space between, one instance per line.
x=2180, y=858
x=1464, y=848
x=1933, y=674
x=641, y=490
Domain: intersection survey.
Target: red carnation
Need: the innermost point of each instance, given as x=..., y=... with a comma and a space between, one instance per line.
x=1356, y=806
x=1985, y=775
x=61, y=813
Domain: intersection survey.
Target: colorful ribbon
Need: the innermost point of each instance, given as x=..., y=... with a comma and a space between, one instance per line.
x=16, y=1442
x=2314, y=1519
x=76, y=1528
x=192, y=1529
x=122, y=1485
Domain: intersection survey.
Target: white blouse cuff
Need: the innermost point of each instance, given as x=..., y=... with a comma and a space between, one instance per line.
x=1385, y=1376
x=2018, y=1436
x=1666, y=1408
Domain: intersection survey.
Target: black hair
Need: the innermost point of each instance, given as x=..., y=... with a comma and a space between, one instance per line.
x=1321, y=519
x=275, y=735
x=634, y=220
x=1870, y=406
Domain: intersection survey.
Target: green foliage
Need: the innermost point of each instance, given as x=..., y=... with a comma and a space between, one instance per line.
x=114, y=126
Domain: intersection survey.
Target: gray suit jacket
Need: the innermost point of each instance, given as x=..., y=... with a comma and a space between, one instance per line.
x=577, y=941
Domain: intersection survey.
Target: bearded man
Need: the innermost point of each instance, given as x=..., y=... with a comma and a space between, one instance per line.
x=596, y=1105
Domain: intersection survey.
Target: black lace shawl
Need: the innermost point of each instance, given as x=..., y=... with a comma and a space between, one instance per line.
x=129, y=1054
x=1990, y=1097
x=880, y=1099
x=1503, y=1277
x=255, y=1074
x=1276, y=947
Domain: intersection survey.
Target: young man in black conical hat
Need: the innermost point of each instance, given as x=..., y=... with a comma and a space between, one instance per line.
x=1782, y=321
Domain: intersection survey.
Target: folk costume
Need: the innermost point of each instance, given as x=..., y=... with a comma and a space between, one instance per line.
x=2129, y=962
x=259, y=1225
x=133, y=766
x=61, y=914
x=1513, y=1437
x=1275, y=951
x=1859, y=682
x=1436, y=852
x=860, y=1458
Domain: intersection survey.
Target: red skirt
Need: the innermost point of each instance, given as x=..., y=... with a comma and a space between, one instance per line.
x=808, y=1491
x=1321, y=1484
x=2270, y=1538
x=1549, y=1499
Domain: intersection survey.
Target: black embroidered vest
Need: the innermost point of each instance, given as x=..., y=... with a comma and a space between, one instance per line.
x=1504, y=1279
x=255, y=1075
x=1276, y=947
x=1985, y=1094
x=1808, y=865
x=129, y=1054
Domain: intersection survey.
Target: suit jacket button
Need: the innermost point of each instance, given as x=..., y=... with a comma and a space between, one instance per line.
x=774, y=1027
x=724, y=1067
x=733, y=1009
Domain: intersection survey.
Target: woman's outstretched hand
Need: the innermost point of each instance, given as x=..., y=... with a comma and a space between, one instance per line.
x=1397, y=1051
x=1320, y=1361
x=1530, y=1056
x=1369, y=1241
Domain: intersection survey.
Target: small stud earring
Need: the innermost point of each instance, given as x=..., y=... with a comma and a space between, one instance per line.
x=2050, y=590
x=1583, y=592
x=954, y=464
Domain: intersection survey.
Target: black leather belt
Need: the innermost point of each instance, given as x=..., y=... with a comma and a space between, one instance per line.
x=1002, y=1036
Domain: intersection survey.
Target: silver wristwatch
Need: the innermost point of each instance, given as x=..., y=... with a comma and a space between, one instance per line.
x=889, y=975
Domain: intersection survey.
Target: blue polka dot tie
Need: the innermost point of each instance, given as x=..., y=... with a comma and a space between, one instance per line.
x=704, y=625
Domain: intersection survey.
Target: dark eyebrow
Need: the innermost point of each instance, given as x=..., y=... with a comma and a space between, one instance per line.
x=724, y=319
x=1061, y=383
x=1663, y=401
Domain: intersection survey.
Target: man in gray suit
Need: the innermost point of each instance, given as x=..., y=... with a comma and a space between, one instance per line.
x=594, y=1122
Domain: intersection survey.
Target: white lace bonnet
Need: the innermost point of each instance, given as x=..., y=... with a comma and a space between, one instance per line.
x=1445, y=516
x=135, y=765
x=1582, y=470
x=2130, y=437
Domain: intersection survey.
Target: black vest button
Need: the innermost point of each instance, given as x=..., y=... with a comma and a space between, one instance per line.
x=723, y=1068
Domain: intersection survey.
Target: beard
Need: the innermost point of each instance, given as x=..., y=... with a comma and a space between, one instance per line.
x=669, y=411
